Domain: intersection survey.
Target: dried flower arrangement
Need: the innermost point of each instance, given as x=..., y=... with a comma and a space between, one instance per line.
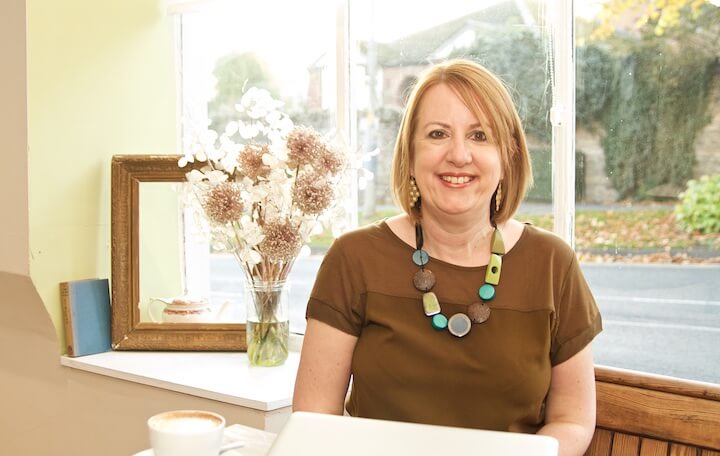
x=264, y=195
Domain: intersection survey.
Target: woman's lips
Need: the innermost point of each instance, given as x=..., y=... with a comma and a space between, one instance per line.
x=456, y=180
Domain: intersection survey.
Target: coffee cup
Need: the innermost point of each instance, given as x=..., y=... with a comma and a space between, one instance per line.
x=187, y=433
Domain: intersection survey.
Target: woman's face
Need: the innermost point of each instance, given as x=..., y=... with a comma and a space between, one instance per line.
x=456, y=167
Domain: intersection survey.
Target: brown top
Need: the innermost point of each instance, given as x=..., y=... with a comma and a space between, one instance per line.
x=497, y=376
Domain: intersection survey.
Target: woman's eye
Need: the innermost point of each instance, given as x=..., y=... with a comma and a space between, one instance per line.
x=437, y=134
x=479, y=136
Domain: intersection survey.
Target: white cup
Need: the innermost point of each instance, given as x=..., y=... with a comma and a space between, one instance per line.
x=186, y=433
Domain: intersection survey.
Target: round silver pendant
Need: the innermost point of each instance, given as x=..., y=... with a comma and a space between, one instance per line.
x=459, y=325
x=479, y=312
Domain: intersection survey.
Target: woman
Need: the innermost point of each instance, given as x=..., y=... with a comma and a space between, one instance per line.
x=454, y=313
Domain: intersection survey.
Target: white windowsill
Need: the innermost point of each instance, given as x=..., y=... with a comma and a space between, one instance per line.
x=220, y=376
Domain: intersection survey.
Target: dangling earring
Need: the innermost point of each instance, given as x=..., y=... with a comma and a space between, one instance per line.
x=498, y=196
x=414, y=192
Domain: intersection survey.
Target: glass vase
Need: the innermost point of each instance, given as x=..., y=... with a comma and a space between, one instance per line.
x=268, y=323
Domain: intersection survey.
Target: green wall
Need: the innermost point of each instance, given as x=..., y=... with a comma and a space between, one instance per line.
x=101, y=81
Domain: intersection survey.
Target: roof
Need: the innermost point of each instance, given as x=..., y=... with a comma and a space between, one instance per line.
x=415, y=49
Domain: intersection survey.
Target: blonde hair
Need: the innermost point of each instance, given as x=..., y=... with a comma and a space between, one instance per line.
x=486, y=96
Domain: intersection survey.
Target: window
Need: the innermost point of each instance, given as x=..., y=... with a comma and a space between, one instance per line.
x=632, y=153
x=644, y=129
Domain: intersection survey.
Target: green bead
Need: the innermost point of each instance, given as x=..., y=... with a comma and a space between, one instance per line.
x=431, y=305
x=492, y=275
x=486, y=292
x=439, y=322
x=498, y=246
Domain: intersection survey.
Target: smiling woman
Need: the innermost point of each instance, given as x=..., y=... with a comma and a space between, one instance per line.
x=382, y=320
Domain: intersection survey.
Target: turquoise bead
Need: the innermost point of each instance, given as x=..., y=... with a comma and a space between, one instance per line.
x=486, y=292
x=439, y=322
x=420, y=257
x=492, y=275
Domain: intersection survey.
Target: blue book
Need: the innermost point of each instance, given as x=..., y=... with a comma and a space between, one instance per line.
x=86, y=316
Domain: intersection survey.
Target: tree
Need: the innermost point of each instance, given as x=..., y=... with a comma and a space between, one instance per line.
x=660, y=15
x=235, y=73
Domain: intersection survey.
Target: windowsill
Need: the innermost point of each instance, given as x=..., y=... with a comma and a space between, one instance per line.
x=220, y=376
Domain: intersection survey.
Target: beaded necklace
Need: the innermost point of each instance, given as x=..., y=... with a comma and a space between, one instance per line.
x=459, y=324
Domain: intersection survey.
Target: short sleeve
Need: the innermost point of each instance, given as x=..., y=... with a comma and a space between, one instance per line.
x=577, y=318
x=338, y=295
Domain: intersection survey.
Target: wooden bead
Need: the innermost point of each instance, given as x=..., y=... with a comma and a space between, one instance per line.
x=492, y=274
x=424, y=280
x=431, y=305
x=479, y=312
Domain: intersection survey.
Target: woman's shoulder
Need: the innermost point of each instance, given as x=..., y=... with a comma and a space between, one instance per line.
x=539, y=241
x=364, y=236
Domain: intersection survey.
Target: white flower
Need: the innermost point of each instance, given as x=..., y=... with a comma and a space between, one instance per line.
x=252, y=152
x=229, y=155
x=185, y=159
x=259, y=193
x=269, y=160
x=257, y=103
x=249, y=130
x=195, y=176
x=216, y=176
x=231, y=128
x=252, y=233
x=199, y=153
x=250, y=256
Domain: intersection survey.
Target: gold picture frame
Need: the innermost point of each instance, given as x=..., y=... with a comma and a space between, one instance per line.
x=128, y=331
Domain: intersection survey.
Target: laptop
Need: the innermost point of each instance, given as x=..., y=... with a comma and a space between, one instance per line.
x=320, y=435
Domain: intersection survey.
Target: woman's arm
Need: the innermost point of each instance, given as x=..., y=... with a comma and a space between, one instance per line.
x=324, y=372
x=570, y=407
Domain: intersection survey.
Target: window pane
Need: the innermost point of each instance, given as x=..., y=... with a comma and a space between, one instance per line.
x=647, y=124
x=237, y=45
x=276, y=45
x=389, y=54
x=224, y=47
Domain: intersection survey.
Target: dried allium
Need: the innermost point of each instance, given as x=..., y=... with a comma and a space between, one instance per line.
x=331, y=161
x=312, y=194
x=250, y=162
x=304, y=146
x=282, y=241
x=222, y=203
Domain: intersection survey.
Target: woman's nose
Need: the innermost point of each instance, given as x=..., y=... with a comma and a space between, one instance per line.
x=459, y=153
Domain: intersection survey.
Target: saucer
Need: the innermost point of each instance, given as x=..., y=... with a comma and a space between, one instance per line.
x=226, y=447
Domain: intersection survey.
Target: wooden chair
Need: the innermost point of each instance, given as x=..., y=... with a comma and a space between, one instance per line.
x=645, y=414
